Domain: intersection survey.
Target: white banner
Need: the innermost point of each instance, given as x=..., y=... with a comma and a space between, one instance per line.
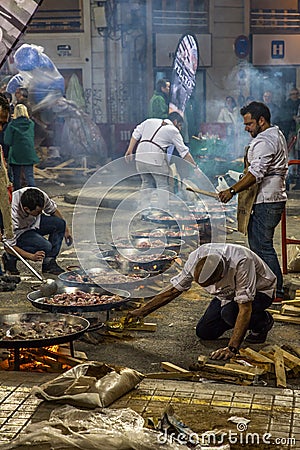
x=14, y=18
x=184, y=73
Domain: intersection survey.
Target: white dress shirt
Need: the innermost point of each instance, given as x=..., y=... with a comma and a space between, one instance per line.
x=22, y=221
x=268, y=158
x=148, y=152
x=245, y=273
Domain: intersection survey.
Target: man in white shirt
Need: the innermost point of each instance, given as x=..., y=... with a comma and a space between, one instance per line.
x=35, y=215
x=151, y=139
x=267, y=157
x=243, y=287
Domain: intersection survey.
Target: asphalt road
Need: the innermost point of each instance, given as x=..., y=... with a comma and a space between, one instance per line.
x=175, y=339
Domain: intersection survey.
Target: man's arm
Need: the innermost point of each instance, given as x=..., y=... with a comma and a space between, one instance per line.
x=157, y=302
x=37, y=256
x=239, y=331
x=132, y=144
x=68, y=236
x=244, y=183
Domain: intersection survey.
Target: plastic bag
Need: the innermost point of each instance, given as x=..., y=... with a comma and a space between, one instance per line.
x=89, y=385
x=109, y=429
x=293, y=252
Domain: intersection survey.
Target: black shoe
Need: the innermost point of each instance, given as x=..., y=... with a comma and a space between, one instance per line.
x=52, y=267
x=6, y=287
x=10, y=279
x=260, y=338
x=10, y=265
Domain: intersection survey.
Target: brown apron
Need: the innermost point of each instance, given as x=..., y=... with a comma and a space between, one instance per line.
x=4, y=199
x=246, y=200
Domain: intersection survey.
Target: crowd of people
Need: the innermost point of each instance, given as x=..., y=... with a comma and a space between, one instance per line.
x=243, y=281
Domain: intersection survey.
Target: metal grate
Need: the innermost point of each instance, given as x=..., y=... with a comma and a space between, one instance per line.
x=266, y=21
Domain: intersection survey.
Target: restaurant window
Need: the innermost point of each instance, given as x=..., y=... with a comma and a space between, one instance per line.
x=180, y=16
x=58, y=16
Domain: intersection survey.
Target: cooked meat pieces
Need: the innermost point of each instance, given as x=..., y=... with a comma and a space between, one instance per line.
x=37, y=330
x=80, y=298
x=104, y=278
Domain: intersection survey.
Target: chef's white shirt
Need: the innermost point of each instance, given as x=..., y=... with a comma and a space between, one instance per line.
x=21, y=220
x=268, y=158
x=245, y=273
x=148, y=152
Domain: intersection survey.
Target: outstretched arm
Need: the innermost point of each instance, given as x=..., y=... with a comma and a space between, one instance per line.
x=132, y=144
x=239, y=331
x=157, y=302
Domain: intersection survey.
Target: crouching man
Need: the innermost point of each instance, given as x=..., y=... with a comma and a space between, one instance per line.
x=243, y=287
x=35, y=215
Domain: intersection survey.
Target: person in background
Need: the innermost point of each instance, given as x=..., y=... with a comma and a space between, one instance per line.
x=242, y=286
x=229, y=112
x=151, y=139
x=19, y=135
x=159, y=102
x=35, y=215
x=288, y=114
x=274, y=109
x=263, y=185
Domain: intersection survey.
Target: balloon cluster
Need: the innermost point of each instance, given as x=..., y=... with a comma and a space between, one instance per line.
x=37, y=73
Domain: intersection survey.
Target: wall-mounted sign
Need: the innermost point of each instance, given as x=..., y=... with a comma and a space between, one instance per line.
x=64, y=50
x=242, y=46
x=276, y=49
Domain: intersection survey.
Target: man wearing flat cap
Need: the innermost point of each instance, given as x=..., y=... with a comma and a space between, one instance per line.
x=242, y=286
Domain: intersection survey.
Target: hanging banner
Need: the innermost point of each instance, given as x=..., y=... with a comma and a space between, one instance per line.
x=15, y=15
x=184, y=73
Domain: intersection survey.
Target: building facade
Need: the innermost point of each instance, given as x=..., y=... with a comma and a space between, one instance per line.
x=119, y=48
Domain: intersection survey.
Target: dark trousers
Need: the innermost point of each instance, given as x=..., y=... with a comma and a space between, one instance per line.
x=217, y=319
x=32, y=241
x=263, y=221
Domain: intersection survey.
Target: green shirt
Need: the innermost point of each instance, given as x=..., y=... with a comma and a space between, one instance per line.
x=19, y=135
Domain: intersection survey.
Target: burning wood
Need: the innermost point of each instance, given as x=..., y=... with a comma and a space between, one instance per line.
x=53, y=359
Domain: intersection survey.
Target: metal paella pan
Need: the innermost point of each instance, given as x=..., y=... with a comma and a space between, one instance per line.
x=146, y=243
x=79, y=300
x=33, y=330
x=106, y=279
x=133, y=259
x=168, y=233
x=178, y=219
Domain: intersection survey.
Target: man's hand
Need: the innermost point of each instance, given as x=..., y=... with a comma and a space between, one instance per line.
x=38, y=256
x=133, y=316
x=68, y=238
x=128, y=156
x=222, y=353
x=225, y=196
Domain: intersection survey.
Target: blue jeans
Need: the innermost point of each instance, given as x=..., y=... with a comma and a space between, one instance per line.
x=153, y=178
x=28, y=174
x=263, y=221
x=217, y=319
x=32, y=241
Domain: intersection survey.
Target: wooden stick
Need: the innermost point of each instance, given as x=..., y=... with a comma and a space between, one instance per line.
x=279, y=368
x=203, y=192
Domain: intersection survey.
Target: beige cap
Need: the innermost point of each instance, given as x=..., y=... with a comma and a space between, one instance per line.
x=208, y=268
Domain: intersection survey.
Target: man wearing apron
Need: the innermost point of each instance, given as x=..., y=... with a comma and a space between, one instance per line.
x=262, y=189
x=151, y=139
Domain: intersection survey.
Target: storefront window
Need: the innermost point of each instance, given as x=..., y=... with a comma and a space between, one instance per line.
x=56, y=16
